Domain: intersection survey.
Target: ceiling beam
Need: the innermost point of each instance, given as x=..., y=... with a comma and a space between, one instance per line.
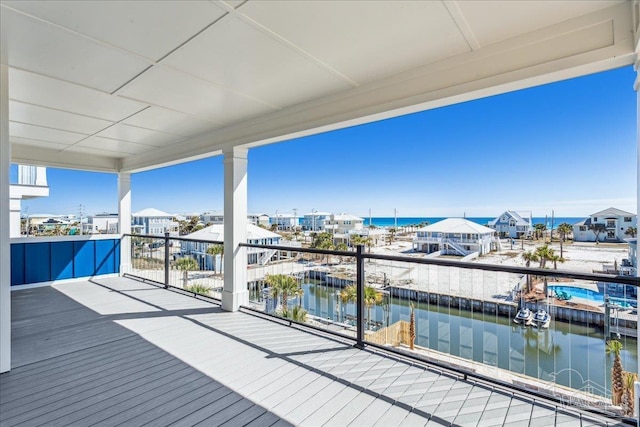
x=30, y=155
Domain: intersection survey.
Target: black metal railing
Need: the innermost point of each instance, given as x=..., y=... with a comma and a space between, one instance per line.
x=458, y=315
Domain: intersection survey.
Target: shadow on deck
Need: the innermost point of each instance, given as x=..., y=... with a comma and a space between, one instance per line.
x=117, y=351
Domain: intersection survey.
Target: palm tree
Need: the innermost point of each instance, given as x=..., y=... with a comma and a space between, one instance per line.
x=631, y=231
x=597, y=229
x=412, y=328
x=615, y=347
x=283, y=286
x=555, y=258
x=564, y=229
x=216, y=250
x=341, y=247
x=539, y=230
x=186, y=264
x=544, y=253
x=529, y=257
x=371, y=297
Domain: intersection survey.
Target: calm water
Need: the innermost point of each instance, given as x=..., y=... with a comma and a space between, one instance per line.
x=402, y=221
x=572, y=354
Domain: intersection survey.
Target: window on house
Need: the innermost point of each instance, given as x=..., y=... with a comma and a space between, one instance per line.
x=611, y=223
x=595, y=219
x=627, y=219
x=583, y=228
x=611, y=234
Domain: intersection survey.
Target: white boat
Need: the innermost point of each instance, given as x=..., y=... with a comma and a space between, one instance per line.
x=524, y=316
x=541, y=319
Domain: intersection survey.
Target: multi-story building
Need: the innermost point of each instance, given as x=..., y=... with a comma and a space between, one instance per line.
x=213, y=217
x=285, y=222
x=154, y=222
x=215, y=233
x=258, y=219
x=314, y=221
x=512, y=224
x=609, y=225
x=454, y=236
x=343, y=223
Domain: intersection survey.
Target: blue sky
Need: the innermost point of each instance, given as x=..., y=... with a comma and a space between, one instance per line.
x=568, y=146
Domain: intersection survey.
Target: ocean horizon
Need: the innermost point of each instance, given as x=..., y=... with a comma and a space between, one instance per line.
x=386, y=221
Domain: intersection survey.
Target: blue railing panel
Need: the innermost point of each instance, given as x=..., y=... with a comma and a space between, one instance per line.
x=84, y=259
x=37, y=261
x=17, y=265
x=62, y=261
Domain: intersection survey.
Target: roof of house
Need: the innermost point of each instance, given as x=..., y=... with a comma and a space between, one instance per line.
x=318, y=213
x=612, y=212
x=216, y=233
x=520, y=220
x=151, y=212
x=346, y=217
x=586, y=221
x=457, y=225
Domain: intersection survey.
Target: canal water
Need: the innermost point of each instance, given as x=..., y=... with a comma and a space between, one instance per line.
x=569, y=354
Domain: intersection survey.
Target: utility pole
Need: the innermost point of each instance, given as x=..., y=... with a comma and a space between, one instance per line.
x=81, y=213
x=395, y=219
x=295, y=220
x=370, y=223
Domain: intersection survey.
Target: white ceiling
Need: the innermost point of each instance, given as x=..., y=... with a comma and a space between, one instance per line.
x=133, y=85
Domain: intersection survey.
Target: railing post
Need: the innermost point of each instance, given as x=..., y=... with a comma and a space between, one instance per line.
x=166, y=259
x=359, y=297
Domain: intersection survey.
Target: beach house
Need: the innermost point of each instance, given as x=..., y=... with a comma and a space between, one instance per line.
x=152, y=221
x=284, y=222
x=512, y=224
x=343, y=223
x=314, y=221
x=454, y=236
x=609, y=225
x=104, y=223
x=215, y=233
x=261, y=219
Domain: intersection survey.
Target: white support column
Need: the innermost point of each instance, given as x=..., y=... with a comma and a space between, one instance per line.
x=636, y=87
x=236, y=292
x=124, y=220
x=5, y=242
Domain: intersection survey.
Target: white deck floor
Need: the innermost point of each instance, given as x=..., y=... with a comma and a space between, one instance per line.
x=120, y=352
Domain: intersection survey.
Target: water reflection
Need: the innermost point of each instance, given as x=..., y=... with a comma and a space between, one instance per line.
x=570, y=354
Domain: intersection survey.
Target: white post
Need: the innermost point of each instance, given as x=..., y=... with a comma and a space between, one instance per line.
x=124, y=220
x=5, y=242
x=636, y=87
x=236, y=291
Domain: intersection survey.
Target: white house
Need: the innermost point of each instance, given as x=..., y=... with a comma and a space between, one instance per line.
x=104, y=223
x=154, y=222
x=512, y=224
x=213, y=217
x=314, y=221
x=612, y=222
x=258, y=219
x=285, y=222
x=377, y=235
x=215, y=233
x=454, y=236
x=343, y=223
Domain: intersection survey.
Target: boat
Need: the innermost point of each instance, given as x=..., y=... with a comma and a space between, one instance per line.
x=541, y=319
x=524, y=316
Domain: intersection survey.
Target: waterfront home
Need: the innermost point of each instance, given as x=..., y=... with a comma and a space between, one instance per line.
x=31, y=183
x=610, y=223
x=377, y=235
x=512, y=224
x=343, y=223
x=154, y=222
x=285, y=222
x=454, y=236
x=215, y=233
x=314, y=221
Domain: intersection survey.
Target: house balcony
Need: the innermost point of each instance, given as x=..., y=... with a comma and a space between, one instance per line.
x=145, y=348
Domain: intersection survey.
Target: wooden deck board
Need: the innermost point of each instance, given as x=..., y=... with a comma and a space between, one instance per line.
x=120, y=352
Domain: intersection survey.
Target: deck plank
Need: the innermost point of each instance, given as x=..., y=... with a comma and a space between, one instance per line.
x=120, y=352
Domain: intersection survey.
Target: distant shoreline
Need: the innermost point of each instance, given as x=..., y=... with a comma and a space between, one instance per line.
x=385, y=221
